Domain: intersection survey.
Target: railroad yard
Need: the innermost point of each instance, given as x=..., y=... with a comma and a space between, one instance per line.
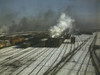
x=67, y=59
x=49, y=37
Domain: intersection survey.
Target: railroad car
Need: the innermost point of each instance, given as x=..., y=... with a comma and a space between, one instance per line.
x=9, y=41
x=54, y=42
x=42, y=42
x=72, y=39
x=4, y=43
x=67, y=36
x=28, y=42
x=16, y=40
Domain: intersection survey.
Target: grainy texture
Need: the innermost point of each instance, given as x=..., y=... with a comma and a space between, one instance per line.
x=48, y=61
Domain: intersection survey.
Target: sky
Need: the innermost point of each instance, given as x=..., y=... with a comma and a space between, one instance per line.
x=85, y=11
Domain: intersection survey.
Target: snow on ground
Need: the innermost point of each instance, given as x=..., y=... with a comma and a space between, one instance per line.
x=36, y=61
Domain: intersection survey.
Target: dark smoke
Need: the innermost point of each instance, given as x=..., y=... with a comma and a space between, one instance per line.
x=10, y=20
x=6, y=18
x=40, y=22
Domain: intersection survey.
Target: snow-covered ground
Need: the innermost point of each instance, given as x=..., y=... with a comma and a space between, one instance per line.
x=39, y=61
x=96, y=53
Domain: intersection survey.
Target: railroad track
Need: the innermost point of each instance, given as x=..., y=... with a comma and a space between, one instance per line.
x=93, y=54
x=35, y=61
x=84, y=57
x=15, y=55
x=18, y=58
x=42, y=65
x=43, y=61
x=61, y=54
x=37, y=64
x=32, y=59
x=54, y=61
x=82, y=52
x=12, y=58
x=63, y=61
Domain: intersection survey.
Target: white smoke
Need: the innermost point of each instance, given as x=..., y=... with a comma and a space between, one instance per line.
x=64, y=23
x=4, y=29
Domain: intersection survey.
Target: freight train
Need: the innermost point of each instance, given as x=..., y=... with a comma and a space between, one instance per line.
x=22, y=40
x=46, y=41
x=40, y=40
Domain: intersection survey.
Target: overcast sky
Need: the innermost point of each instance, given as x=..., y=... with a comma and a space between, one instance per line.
x=84, y=10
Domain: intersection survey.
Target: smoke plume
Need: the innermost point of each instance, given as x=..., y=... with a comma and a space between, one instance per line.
x=40, y=22
x=4, y=29
x=64, y=23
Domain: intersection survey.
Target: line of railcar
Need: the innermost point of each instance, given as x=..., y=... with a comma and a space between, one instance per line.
x=37, y=40
x=46, y=41
x=10, y=41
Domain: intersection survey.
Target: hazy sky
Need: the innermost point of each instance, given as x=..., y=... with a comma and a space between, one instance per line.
x=30, y=7
x=84, y=10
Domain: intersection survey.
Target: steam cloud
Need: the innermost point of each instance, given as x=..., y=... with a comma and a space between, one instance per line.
x=11, y=21
x=64, y=23
x=4, y=29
